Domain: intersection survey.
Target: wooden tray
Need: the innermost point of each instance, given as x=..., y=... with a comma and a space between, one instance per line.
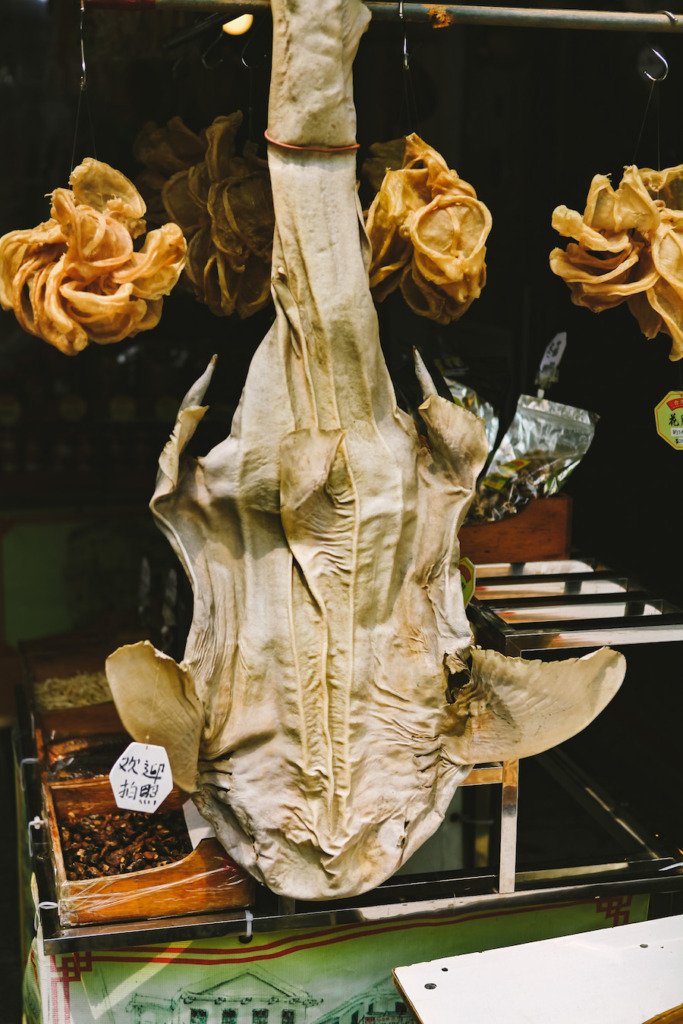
x=542, y=530
x=204, y=881
x=79, y=742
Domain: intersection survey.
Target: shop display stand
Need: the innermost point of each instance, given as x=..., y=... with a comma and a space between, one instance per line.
x=647, y=866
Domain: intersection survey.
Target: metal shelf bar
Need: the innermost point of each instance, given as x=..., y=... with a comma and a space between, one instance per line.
x=441, y=15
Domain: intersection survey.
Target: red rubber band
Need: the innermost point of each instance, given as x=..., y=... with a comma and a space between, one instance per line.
x=311, y=149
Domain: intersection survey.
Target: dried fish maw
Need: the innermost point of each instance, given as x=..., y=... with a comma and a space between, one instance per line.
x=77, y=278
x=666, y=303
x=665, y=186
x=253, y=292
x=423, y=298
x=402, y=193
x=601, y=284
x=199, y=250
x=426, y=217
x=629, y=208
x=646, y=239
x=224, y=234
x=384, y=156
x=248, y=204
x=220, y=284
x=220, y=138
x=42, y=244
x=449, y=238
x=107, y=190
x=168, y=148
x=571, y=224
x=154, y=269
x=199, y=183
x=52, y=321
x=181, y=205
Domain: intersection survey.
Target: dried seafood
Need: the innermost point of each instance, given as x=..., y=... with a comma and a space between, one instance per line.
x=222, y=202
x=628, y=248
x=75, y=691
x=428, y=234
x=77, y=278
x=323, y=713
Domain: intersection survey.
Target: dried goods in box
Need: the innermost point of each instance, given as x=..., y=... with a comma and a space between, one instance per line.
x=204, y=880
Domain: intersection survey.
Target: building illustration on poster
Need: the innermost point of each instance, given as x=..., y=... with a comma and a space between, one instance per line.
x=259, y=997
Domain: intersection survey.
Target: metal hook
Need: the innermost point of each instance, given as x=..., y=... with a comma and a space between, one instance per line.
x=207, y=51
x=80, y=33
x=672, y=17
x=253, y=65
x=664, y=64
x=401, y=18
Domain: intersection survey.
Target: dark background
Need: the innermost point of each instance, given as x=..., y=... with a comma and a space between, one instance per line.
x=528, y=116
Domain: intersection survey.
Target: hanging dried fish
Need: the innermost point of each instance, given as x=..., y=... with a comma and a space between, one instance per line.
x=323, y=714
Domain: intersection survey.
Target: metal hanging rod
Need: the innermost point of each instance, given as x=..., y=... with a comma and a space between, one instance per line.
x=440, y=15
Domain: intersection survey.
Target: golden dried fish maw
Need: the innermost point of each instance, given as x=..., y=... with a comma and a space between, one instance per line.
x=45, y=242
x=107, y=190
x=96, y=244
x=77, y=277
x=425, y=215
x=155, y=269
x=571, y=224
x=423, y=298
x=665, y=186
x=254, y=288
x=387, y=229
x=384, y=156
x=199, y=250
x=181, y=205
x=666, y=303
x=220, y=149
x=169, y=148
x=629, y=208
x=248, y=204
x=223, y=203
x=108, y=318
x=224, y=234
x=199, y=183
x=220, y=284
x=449, y=236
x=591, y=278
x=649, y=321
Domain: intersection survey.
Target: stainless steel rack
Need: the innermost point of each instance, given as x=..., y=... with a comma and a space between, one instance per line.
x=613, y=609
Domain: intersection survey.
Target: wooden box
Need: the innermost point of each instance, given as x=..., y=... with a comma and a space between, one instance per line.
x=89, y=738
x=204, y=881
x=542, y=530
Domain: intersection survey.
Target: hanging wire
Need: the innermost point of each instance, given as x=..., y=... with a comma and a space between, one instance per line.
x=660, y=67
x=212, y=65
x=252, y=63
x=408, y=92
x=82, y=93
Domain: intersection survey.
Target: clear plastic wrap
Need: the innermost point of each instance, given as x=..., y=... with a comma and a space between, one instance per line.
x=543, y=445
x=203, y=880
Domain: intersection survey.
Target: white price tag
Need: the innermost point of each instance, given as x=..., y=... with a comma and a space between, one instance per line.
x=198, y=828
x=548, y=371
x=141, y=778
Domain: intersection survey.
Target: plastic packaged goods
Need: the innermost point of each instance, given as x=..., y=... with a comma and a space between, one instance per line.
x=543, y=445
